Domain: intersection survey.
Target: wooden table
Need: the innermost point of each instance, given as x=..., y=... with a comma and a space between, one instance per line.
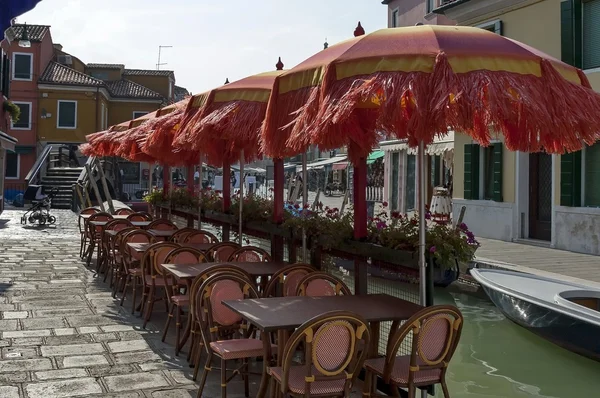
x=284, y=314
x=139, y=224
x=141, y=247
x=161, y=233
x=115, y=216
x=188, y=272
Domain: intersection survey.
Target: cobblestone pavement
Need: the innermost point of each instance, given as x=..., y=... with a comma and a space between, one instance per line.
x=63, y=335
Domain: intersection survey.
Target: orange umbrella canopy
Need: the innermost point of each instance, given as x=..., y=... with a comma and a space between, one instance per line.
x=228, y=119
x=417, y=82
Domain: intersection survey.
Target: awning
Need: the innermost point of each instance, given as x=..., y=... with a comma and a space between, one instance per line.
x=374, y=156
x=24, y=149
x=323, y=163
x=7, y=142
x=340, y=166
x=439, y=146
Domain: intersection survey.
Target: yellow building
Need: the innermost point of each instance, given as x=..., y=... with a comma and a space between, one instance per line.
x=513, y=195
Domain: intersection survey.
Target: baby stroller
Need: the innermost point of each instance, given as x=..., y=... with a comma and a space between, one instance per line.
x=40, y=206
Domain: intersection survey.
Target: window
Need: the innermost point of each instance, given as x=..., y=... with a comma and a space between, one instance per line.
x=492, y=26
x=411, y=181
x=130, y=172
x=24, y=122
x=99, y=75
x=12, y=165
x=67, y=115
x=483, y=172
x=488, y=172
x=102, y=117
x=394, y=20
x=22, y=66
x=137, y=114
x=591, y=34
x=591, y=164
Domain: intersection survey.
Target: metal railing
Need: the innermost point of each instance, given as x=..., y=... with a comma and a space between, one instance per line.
x=40, y=167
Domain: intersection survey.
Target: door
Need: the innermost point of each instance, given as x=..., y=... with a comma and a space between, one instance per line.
x=540, y=196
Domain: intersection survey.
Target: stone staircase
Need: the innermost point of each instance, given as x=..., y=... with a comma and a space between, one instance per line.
x=61, y=178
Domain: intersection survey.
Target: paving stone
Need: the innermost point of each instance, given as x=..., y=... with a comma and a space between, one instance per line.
x=180, y=377
x=131, y=335
x=26, y=333
x=7, y=307
x=89, y=329
x=14, y=314
x=135, y=381
x=19, y=352
x=28, y=341
x=116, y=328
x=8, y=324
x=43, y=323
x=9, y=392
x=64, y=331
x=58, y=312
x=91, y=320
x=71, y=349
x=109, y=370
x=105, y=337
x=14, y=377
x=64, y=388
x=4, y=343
x=20, y=365
x=60, y=374
x=131, y=345
x=180, y=393
x=69, y=339
x=149, y=366
x=83, y=361
x=136, y=357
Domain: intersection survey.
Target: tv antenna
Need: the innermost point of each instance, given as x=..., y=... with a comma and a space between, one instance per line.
x=159, y=64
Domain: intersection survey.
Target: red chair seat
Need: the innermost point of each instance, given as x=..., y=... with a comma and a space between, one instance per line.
x=296, y=381
x=400, y=371
x=238, y=348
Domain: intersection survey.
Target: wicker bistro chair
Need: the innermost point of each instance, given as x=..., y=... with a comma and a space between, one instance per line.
x=181, y=234
x=195, y=352
x=318, y=284
x=94, y=235
x=115, y=263
x=251, y=254
x=153, y=278
x=221, y=252
x=131, y=272
x=82, y=231
x=332, y=358
x=220, y=321
x=163, y=225
x=435, y=334
x=178, y=302
x=124, y=211
x=284, y=283
x=201, y=237
x=114, y=225
x=140, y=216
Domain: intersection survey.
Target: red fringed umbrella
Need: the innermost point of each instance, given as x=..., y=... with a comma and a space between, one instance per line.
x=415, y=83
x=228, y=120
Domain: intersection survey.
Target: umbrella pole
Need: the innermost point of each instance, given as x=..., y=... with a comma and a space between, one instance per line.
x=304, y=203
x=422, y=227
x=200, y=171
x=241, y=194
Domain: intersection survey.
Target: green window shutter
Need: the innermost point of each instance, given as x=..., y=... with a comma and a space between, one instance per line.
x=497, y=153
x=471, y=172
x=437, y=164
x=566, y=33
x=590, y=26
x=570, y=179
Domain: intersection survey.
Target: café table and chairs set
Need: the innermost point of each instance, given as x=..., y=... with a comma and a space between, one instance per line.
x=303, y=329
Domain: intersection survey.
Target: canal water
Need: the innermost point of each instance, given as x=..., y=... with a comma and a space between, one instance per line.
x=497, y=358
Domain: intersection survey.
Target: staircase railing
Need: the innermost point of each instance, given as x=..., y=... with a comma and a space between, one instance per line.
x=40, y=167
x=86, y=180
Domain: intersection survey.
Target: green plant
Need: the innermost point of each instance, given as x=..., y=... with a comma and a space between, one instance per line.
x=329, y=225
x=211, y=200
x=156, y=197
x=183, y=198
x=255, y=208
x=13, y=110
x=444, y=243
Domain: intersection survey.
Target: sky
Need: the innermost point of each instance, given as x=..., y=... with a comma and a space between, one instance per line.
x=212, y=39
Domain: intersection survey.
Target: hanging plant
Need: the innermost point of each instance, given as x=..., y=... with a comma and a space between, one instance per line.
x=13, y=110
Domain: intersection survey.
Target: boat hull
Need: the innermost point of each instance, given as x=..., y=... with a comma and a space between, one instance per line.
x=570, y=333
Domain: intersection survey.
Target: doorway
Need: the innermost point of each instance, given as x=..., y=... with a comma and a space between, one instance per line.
x=540, y=196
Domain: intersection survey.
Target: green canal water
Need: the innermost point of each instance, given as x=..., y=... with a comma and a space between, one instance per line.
x=497, y=358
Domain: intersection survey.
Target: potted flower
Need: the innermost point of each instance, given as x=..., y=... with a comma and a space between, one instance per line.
x=12, y=109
